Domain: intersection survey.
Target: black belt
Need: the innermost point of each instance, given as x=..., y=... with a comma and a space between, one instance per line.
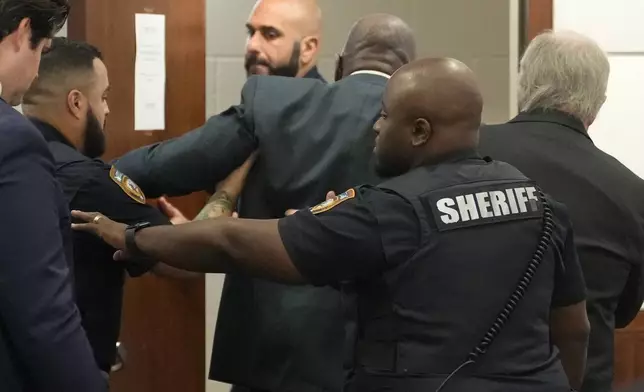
x=402, y=358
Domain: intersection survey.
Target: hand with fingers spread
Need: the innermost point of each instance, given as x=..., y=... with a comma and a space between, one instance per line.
x=329, y=195
x=113, y=233
x=173, y=213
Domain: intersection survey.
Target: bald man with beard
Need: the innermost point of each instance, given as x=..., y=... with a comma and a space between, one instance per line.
x=284, y=38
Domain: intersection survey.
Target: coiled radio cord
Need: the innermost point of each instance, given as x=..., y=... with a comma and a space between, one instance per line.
x=517, y=295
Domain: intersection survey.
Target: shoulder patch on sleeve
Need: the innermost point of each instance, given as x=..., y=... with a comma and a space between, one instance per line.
x=128, y=186
x=331, y=203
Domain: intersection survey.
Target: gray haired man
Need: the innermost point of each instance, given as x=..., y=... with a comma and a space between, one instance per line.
x=562, y=86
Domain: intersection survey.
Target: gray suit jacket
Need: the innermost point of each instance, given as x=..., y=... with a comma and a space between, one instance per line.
x=312, y=137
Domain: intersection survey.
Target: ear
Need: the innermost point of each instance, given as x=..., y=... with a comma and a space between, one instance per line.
x=308, y=49
x=21, y=36
x=422, y=132
x=75, y=104
x=588, y=122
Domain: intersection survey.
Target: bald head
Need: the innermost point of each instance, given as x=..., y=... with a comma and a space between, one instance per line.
x=431, y=108
x=441, y=89
x=378, y=42
x=303, y=15
x=283, y=37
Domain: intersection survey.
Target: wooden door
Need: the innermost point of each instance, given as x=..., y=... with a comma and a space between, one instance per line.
x=538, y=17
x=163, y=328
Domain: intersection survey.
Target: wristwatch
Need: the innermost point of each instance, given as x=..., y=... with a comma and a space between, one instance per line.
x=130, y=243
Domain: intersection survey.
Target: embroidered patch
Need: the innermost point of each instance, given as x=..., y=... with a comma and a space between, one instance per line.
x=128, y=186
x=329, y=204
x=474, y=205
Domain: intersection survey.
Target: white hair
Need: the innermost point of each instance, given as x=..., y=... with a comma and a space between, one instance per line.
x=564, y=71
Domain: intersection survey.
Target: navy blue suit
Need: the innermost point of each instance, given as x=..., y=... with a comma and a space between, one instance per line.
x=42, y=344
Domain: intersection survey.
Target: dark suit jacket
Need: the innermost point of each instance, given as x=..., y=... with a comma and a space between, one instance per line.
x=312, y=137
x=606, y=206
x=42, y=344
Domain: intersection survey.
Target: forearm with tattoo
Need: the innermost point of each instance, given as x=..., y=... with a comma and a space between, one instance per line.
x=219, y=204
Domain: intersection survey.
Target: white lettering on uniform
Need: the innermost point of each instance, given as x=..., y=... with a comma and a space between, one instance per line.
x=522, y=199
x=484, y=205
x=499, y=204
x=467, y=207
x=476, y=206
x=451, y=214
x=532, y=196
x=512, y=200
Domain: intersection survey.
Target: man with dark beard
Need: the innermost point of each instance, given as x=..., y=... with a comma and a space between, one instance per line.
x=283, y=38
x=68, y=104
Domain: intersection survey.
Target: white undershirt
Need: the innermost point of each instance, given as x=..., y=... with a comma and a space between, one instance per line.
x=384, y=75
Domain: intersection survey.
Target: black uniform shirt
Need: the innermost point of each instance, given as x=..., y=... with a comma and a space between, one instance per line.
x=375, y=237
x=366, y=231
x=92, y=185
x=344, y=239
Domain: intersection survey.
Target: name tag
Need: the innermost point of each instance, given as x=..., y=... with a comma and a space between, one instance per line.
x=469, y=206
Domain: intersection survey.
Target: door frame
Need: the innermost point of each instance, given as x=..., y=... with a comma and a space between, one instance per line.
x=536, y=16
x=163, y=320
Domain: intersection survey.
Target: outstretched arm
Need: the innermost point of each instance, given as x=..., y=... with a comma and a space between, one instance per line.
x=222, y=245
x=200, y=158
x=319, y=246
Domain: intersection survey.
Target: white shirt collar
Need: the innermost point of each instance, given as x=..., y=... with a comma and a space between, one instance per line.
x=384, y=75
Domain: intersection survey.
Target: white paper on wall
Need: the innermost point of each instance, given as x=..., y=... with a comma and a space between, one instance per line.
x=63, y=31
x=149, y=73
x=617, y=25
